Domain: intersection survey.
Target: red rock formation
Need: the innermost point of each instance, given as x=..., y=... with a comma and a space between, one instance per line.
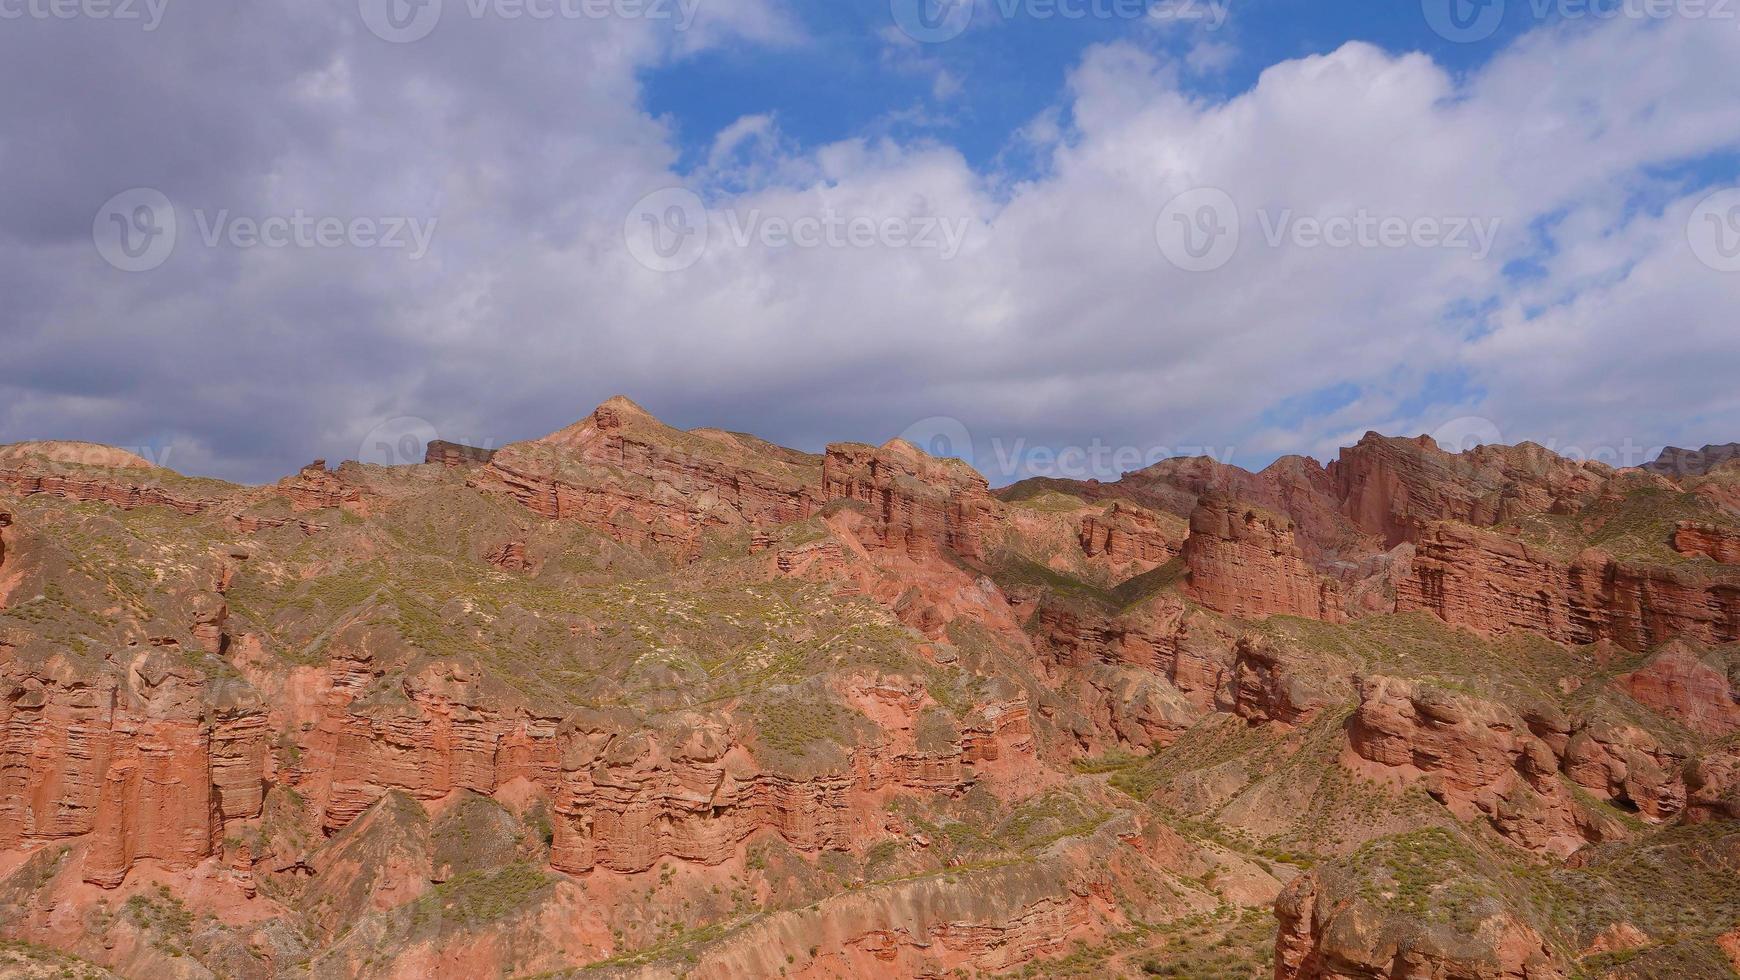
x=454, y=456
x=510, y=557
x=1328, y=931
x=1395, y=487
x=1493, y=584
x=1710, y=540
x=625, y=474
x=1243, y=562
x=1479, y=758
x=1713, y=787
x=1125, y=534
x=1273, y=683
x=443, y=728
x=1692, y=690
x=315, y=487
x=919, y=505
x=149, y=764
x=126, y=496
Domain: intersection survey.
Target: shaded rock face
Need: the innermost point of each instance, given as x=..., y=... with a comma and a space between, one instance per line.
x=1244, y=562
x=1328, y=931
x=1273, y=683
x=1395, y=488
x=1127, y=535
x=919, y=506
x=1721, y=544
x=453, y=455
x=1675, y=462
x=1493, y=584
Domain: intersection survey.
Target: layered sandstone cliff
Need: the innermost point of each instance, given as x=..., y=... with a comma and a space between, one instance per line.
x=629, y=476
x=1491, y=583
x=1244, y=562
x=920, y=505
x=1713, y=541
x=1126, y=535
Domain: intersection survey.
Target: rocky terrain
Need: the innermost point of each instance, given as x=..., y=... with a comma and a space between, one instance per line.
x=630, y=701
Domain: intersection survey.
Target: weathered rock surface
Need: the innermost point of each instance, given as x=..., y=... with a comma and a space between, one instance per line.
x=1395, y=488
x=1127, y=535
x=454, y=455
x=1494, y=584
x=1244, y=562
x=919, y=505
x=625, y=474
x=1329, y=931
x=1675, y=462
x=1713, y=541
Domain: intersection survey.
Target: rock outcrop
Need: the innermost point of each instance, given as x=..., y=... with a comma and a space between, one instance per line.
x=1126, y=535
x=1677, y=463
x=1495, y=584
x=1712, y=541
x=1396, y=488
x=629, y=476
x=1478, y=757
x=453, y=455
x=149, y=764
x=1693, y=689
x=1330, y=930
x=919, y=505
x=315, y=487
x=1244, y=562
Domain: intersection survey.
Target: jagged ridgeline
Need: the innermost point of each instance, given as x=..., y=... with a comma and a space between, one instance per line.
x=630, y=700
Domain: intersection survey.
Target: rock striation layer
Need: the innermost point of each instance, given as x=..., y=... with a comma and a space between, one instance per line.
x=1495, y=584
x=1244, y=562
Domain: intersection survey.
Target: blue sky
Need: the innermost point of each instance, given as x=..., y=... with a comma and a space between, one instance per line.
x=839, y=81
